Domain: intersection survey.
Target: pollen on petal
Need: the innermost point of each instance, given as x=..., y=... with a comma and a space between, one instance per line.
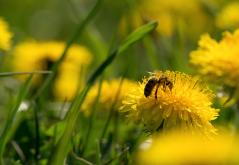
x=187, y=105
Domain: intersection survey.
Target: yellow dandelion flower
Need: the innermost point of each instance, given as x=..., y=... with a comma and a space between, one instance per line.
x=33, y=55
x=184, y=148
x=112, y=92
x=5, y=35
x=66, y=85
x=229, y=16
x=173, y=15
x=185, y=104
x=218, y=60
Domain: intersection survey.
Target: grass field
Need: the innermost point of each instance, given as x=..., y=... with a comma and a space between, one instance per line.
x=104, y=82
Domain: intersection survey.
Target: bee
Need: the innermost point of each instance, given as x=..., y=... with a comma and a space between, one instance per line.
x=152, y=82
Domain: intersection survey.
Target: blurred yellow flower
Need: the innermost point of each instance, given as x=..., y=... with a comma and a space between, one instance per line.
x=218, y=60
x=67, y=84
x=112, y=92
x=229, y=16
x=33, y=55
x=185, y=105
x=172, y=15
x=185, y=149
x=5, y=35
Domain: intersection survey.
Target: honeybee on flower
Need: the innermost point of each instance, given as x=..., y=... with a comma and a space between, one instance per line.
x=183, y=102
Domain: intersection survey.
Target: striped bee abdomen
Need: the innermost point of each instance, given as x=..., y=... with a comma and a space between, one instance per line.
x=149, y=86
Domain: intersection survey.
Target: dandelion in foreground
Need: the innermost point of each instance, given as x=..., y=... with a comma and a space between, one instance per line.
x=218, y=60
x=5, y=35
x=184, y=149
x=111, y=94
x=169, y=100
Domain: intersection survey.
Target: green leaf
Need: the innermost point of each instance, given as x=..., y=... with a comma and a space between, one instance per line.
x=12, y=114
x=63, y=146
x=137, y=35
x=75, y=36
x=6, y=74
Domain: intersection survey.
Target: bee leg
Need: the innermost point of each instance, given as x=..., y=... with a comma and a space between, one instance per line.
x=169, y=84
x=164, y=86
x=156, y=91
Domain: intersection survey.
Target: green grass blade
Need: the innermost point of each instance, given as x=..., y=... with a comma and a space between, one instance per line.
x=6, y=74
x=62, y=147
x=137, y=35
x=92, y=117
x=112, y=110
x=12, y=114
x=76, y=35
